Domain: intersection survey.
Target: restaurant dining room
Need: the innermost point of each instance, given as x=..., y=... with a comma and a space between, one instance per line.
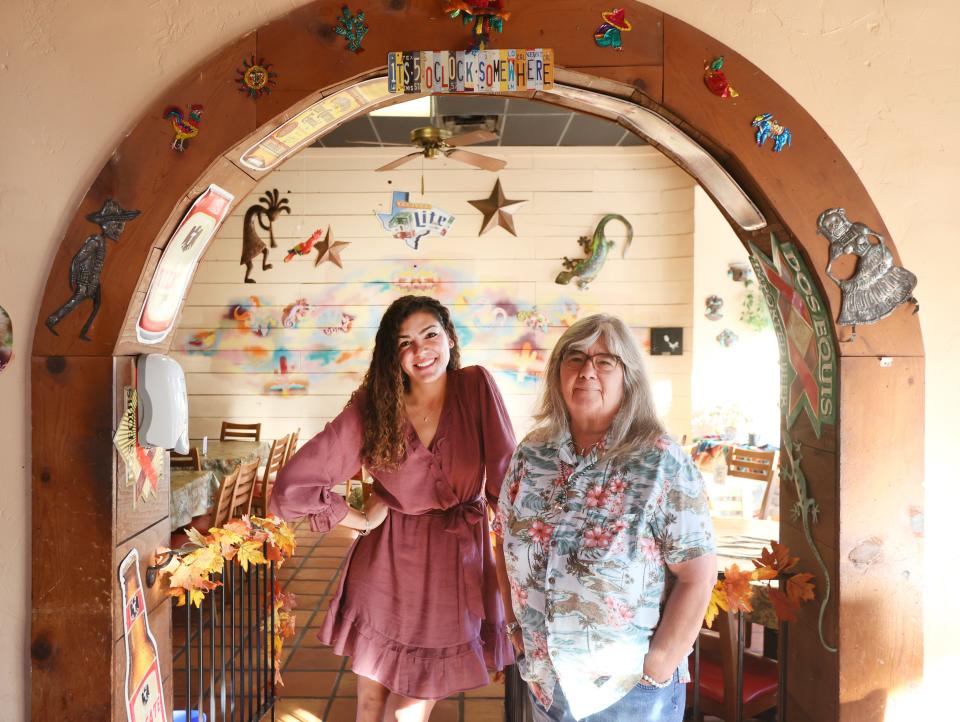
x=274, y=293
x=270, y=356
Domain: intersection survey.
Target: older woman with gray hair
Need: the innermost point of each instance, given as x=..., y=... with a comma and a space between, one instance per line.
x=606, y=546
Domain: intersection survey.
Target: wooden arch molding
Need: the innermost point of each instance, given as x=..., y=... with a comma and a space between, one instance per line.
x=865, y=471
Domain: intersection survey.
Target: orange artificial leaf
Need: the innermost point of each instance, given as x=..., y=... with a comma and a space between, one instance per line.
x=736, y=585
x=799, y=588
x=717, y=602
x=777, y=558
x=250, y=552
x=764, y=573
x=783, y=606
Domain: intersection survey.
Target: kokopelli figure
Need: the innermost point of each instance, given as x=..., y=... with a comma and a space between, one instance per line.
x=264, y=216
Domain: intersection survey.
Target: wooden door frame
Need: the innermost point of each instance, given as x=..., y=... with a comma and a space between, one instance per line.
x=864, y=471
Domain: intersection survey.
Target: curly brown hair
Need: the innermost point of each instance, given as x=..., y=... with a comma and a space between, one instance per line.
x=384, y=446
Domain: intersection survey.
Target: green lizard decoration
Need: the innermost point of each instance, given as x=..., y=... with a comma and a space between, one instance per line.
x=807, y=510
x=597, y=249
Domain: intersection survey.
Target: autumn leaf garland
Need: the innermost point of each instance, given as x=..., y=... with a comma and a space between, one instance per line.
x=734, y=591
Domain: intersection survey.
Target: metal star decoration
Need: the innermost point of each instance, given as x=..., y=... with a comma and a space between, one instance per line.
x=328, y=250
x=497, y=210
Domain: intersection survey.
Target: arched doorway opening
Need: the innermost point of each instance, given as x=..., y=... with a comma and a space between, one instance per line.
x=845, y=455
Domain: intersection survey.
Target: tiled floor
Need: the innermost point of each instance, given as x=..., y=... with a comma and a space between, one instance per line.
x=318, y=685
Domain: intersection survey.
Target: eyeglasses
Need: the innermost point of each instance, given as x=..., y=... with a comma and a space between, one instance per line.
x=604, y=363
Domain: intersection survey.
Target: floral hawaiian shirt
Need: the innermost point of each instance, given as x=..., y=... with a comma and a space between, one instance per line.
x=587, y=543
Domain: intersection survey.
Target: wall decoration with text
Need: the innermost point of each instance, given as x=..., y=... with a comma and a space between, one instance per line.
x=412, y=221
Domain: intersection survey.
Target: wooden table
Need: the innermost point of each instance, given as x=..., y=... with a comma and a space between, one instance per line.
x=192, y=493
x=739, y=540
x=223, y=457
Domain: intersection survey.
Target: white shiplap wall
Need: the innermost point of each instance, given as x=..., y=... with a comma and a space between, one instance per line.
x=253, y=368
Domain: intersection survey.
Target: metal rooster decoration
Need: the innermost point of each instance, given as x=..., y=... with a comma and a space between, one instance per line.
x=185, y=125
x=264, y=216
x=597, y=248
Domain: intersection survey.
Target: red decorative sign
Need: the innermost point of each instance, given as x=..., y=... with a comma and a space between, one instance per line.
x=179, y=260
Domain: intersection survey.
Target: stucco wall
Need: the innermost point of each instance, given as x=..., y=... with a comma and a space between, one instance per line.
x=879, y=75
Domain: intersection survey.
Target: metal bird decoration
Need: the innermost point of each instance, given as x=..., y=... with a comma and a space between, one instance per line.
x=597, y=248
x=304, y=247
x=185, y=125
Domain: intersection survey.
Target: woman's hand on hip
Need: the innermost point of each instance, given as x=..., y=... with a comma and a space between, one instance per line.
x=376, y=510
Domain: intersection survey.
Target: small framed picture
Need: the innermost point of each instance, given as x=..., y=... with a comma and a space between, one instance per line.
x=666, y=341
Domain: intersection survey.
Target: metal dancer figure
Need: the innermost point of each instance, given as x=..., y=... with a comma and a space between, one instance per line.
x=87, y=264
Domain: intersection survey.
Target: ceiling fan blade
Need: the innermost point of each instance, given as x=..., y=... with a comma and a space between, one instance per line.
x=484, y=162
x=374, y=142
x=476, y=136
x=398, y=162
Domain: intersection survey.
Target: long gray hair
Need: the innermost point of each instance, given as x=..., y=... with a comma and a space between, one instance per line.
x=636, y=426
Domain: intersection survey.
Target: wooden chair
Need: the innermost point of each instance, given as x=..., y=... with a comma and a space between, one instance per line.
x=218, y=516
x=719, y=662
x=759, y=466
x=189, y=461
x=292, y=446
x=278, y=456
x=232, y=431
x=243, y=491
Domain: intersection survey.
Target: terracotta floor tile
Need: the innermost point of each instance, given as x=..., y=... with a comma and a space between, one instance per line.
x=313, y=658
x=338, y=552
x=348, y=684
x=307, y=587
x=310, y=639
x=306, y=603
x=299, y=710
x=483, y=710
x=307, y=684
x=447, y=710
x=343, y=710
x=323, y=562
x=316, y=573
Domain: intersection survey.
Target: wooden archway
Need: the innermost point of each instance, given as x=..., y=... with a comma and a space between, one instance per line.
x=864, y=469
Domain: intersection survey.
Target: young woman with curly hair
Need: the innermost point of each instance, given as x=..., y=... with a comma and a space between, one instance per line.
x=418, y=609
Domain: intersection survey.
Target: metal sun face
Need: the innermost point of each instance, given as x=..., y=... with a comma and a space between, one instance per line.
x=255, y=78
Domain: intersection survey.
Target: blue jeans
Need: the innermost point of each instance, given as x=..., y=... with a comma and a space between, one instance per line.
x=643, y=703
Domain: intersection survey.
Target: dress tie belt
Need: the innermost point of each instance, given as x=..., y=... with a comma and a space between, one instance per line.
x=459, y=520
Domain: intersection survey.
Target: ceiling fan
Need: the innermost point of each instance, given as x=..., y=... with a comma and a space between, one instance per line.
x=435, y=141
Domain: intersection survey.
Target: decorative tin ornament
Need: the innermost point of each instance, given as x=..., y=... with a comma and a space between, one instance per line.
x=186, y=125
x=412, y=221
x=328, y=250
x=609, y=33
x=264, y=216
x=255, y=78
x=714, y=306
x=352, y=28
x=6, y=339
x=768, y=127
x=304, y=247
x=877, y=286
x=87, y=264
x=716, y=81
x=486, y=16
x=497, y=210
x=727, y=338
x=597, y=248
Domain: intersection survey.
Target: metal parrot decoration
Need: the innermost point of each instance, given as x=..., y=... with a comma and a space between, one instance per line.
x=185, y=125
x=304, y=247
x=597, y=248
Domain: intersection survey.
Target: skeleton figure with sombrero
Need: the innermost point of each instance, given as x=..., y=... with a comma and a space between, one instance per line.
x=608, y=35
x=87, y=264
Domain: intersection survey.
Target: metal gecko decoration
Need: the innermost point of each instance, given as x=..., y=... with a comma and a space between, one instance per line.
x=352, y=28
x=768, y=127
x=716, y=81
x=597, y=248
x=807, y=511
x=186, y=124
x=87, y=264
x=486, y=16
x=264, y=216
x=610, y=33
x=877, y=286
x=255, y=78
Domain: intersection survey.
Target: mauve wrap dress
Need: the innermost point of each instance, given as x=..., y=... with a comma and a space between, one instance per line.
x=418, y=608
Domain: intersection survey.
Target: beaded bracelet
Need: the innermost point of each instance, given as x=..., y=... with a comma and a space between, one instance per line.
x=654, y=683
